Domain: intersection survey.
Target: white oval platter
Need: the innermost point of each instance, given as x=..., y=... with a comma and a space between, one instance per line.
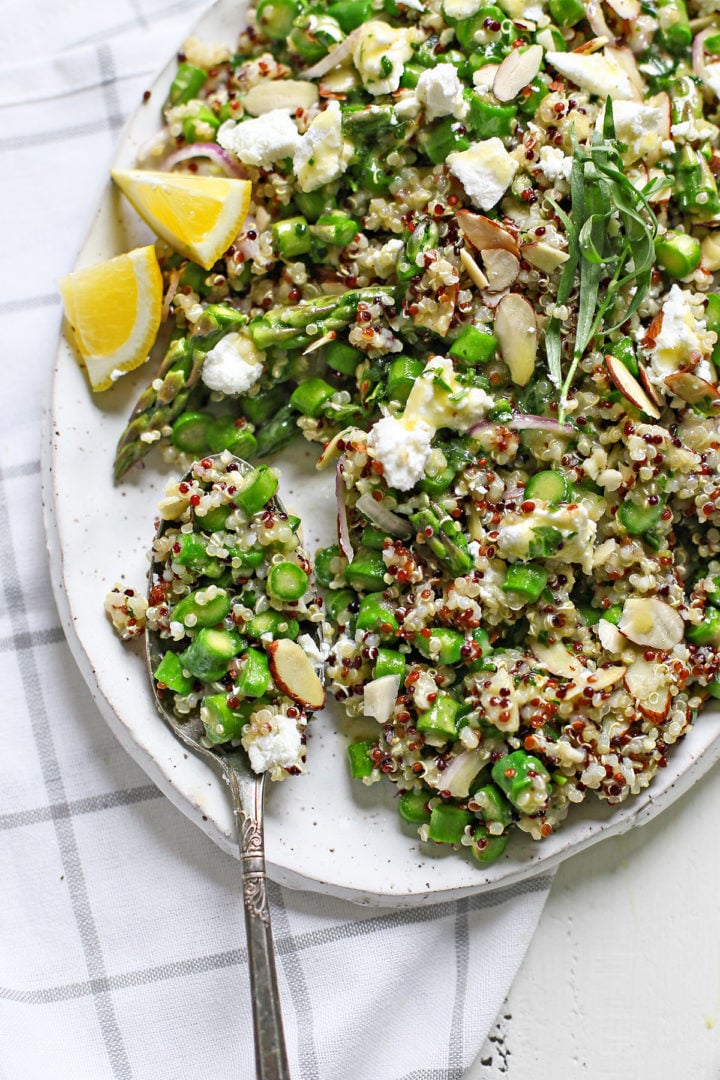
x=323, y=832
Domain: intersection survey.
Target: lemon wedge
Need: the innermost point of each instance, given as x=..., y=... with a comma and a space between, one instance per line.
x=114, y=311
x=199, y=216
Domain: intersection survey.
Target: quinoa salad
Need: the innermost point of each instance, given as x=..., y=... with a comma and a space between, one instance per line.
x=479, y=270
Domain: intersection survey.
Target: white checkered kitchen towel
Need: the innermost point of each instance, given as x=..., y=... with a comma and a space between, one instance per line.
x=101, y=973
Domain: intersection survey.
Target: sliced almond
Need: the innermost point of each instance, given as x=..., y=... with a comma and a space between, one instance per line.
x=651, y=334
x=652, y=695
x=501, y=267
x=331, y=448
x=593, y=44
x=483, y=232
x=629, y=387
x=543, y=256
x=596, y=680
x=515, y=328
x=290, y=94
x=596, y=17
x=651, y=622
x=625, y=9
x=516, y=71
x=473, y=270
x=648, y=387
x=338, y=54
x=610, y=637
x=379, y=697
x=558, y=661
x=484, y=77
x=294, y=674
x=691, y=388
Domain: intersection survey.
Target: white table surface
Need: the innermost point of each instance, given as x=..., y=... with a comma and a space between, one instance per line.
x=622, y=978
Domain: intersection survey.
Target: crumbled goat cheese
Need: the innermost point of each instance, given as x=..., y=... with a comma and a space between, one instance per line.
x=437, y=398
x=678, y=336
x=402, y=449
x=554, y=164
x=597, y=73
x=281, y=748
x=485, y=170
x=233, y=365
x=322, y=154
x=205, y=54
x=521, y=9
x=461, y=9
x=381, y=54
x=441, y=92
x=516, y=535
x=262, y=141
x=638, y=125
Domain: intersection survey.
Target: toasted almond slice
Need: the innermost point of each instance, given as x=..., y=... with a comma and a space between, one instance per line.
x=652, y=695
x=596, y=17
x=516, y=71
x=593, y=44
x=483, y=232
x=625, y=9
x=629, y=387
x=515, y=328
x=543, y=256
x=338, y=54
x=558, y=661
x=651, y=334
x=379, y=697
x=648, y=387
x=290, y=94
x=610, y=637
x=651, y=622
x=473, y=270
x=484, y=77
x=691, y=388
x=294, y=674
x=596, y=680
x=502, y=268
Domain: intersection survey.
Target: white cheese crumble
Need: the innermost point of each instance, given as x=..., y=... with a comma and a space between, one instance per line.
x=380, y=55
x=678, y=335
x=638, y=125
x=554, y=164
x=281, y=748
x=516, y=535
x=439, y=399
x=233, y=365
x=461, y=9
x=322, y=154
x=402, y=449
x=534, y=10
x=439, y=89
x=711, y=77
x=485, y=170
x=262, y=141
x=597, y=73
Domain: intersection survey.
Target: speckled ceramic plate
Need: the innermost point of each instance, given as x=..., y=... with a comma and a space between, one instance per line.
x=323, y=831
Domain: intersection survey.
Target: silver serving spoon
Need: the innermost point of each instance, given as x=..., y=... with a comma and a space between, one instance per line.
x=247, y=790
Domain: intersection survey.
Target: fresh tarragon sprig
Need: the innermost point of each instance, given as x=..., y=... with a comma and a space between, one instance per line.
x=611, y=230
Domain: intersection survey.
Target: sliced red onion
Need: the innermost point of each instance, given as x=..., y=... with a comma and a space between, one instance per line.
x=461, y=772
x=212, y=152
x=343, y=529
x=381, y=516
x=698, y=51
x=524, y=422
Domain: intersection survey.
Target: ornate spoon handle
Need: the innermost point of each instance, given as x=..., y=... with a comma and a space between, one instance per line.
x=270, y=1055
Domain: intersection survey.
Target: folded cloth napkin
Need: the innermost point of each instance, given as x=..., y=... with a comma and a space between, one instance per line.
x=121, y=928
